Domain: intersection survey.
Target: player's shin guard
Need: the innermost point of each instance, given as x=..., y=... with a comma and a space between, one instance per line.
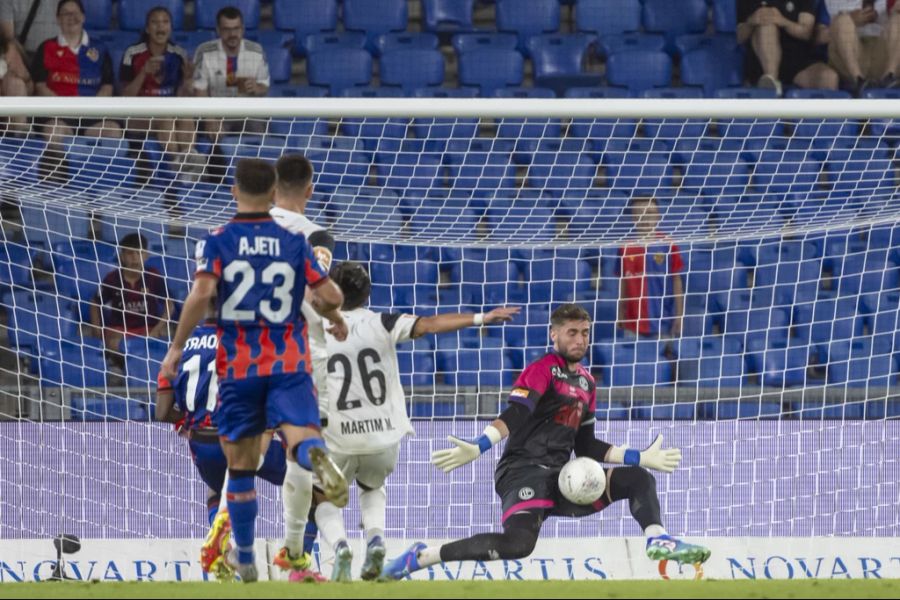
x=309, y=536
x=373, y=505
x=638, y=486
x=243, y=508
x=297, y=497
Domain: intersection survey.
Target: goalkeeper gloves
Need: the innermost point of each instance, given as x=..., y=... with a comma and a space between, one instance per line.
x=465, y=451
x=653, y=457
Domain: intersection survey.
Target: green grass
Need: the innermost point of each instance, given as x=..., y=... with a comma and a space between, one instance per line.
x=868, y=588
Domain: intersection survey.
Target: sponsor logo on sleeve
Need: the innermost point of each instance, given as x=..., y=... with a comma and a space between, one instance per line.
x=519, y=392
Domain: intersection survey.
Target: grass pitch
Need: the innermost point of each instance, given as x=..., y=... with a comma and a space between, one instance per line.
x=807, y=588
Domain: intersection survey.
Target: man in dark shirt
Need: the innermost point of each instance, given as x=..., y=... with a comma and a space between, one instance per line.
x=779, y=35
x=550, y=414
x=131, y=300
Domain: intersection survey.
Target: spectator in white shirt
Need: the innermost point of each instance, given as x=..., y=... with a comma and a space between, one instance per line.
x=864, y=42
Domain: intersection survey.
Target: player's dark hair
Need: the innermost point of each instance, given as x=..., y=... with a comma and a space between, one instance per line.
x=568, y=312
x=229, y=12
x=133, y=241
x=156, y=9
x=295, y=172
x=254, y=176
x=354, y=282
x=62, y=3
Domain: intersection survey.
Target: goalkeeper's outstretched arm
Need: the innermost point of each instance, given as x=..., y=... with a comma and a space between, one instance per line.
x=465, y=451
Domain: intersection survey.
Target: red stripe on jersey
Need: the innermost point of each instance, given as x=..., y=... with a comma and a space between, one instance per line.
x=240, y=365
x=313, y=277
x=265, y=362
x=291, y=358
x=217, y=267
x=221, y=356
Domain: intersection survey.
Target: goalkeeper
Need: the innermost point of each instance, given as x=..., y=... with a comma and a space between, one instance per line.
x=550, y=414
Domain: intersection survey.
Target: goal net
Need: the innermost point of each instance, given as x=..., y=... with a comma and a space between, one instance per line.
x=740, y=260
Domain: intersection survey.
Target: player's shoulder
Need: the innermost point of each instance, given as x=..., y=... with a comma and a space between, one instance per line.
x=210, y=47
x=133, y=50
x=177, y=50
x=252, y=46
x=546, y=362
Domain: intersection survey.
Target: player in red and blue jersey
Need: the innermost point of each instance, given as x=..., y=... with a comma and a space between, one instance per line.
x=155, y=66
x=651, y=302
x=190, y=401
x=259, y=272
x=551, y=414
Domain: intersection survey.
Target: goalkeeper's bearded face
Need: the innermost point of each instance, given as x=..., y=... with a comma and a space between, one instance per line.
x=571, y=339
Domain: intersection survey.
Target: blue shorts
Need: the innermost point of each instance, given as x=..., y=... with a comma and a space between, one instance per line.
x=250, y=406
x=212, y=465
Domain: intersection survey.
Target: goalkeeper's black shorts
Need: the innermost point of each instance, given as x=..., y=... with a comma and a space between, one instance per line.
x=536, y=489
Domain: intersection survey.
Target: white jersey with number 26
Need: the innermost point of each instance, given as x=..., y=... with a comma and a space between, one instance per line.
x=366, y=407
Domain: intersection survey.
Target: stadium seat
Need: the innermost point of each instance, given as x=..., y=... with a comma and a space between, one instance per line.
x=412, y=69
x=467, y=42
x=555, y=171
x=639, y=70
x=712, y=69
x=205, y=12
x=558, y=61
x=487, y=367
x=340, y=68
x=133, y=13
x=72, y=365
x=97, y=14
x=99, y=163
x=724, y=43
x=280, y=63
x=439, y=133
x=629, y=42
x=15, y=265
x=439, y=92
x=527, y=18
x=416, y=363
x=388, y=42
x=326, y=42
x=598, y=92
x=608, y=17
x=142, y=359
x=527, y=134
x=480, y=166
x=448, y=15
x=407, y=171
x=370, y=91
x=375, y=17
x=674, y=18
x=305, y=17
x=725, y=16
x=491, y=69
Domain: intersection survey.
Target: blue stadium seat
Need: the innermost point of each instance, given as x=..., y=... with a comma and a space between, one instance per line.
x=375, y=17
x=408, y=172
x=15, y=265
x=744, y=92
x=639, y=70
x=35, y=319
x=280, y=63
x=638, y=363
x=338, y=168
x=305, y=17
x=630, y=42
x=406, y=41
x=72, y=365
x=526, y=18
x=817, y=94
x=440, y=92
x=99, y=163
x=491, y=69
x=327, y=42
x=412, y=69
x=480, y=165
x=133, y=13
x=448, y=15
x=674, y=18
x=340, y=68
x=884, y=129
x=375, y=133
x=608, y=17
x=371, y=91
x=80, y=266
x=598, y=92
x=724, y=43
x=205, y=12
x=487, y=367
x=416, y=362
x=142, y=359
x=439, y=133
x=527, y=134
x=858, y=175
x=725, y=16
x=556, y=171
x=467, y=42
x=712, y=69
x=97, y=14
x=558, y=61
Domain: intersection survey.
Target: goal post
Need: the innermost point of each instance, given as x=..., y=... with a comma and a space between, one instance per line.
x=763, y=280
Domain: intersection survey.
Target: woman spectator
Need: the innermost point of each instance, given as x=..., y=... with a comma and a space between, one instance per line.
x=15, y=80
x=155, y=67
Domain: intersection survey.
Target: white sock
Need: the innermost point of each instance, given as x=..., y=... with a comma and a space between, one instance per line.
x=223, y=501
x=296, y=496
x=429, y=556
x=373, y=505
x=655, y=531
x=330, y=520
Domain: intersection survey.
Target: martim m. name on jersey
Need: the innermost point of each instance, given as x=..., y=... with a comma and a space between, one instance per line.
x=366, y=426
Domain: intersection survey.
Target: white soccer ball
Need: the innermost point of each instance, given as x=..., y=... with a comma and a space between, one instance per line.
x=582, y=480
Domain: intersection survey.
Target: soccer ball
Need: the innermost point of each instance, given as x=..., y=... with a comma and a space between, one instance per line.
x=582, y=480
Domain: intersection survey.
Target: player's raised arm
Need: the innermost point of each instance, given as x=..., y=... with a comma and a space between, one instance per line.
x=446, y=323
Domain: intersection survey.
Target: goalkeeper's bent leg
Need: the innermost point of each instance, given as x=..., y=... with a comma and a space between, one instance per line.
x=520, y=534
x=638, y=486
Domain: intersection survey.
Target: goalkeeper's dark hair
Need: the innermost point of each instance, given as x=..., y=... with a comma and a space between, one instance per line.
x=354, y=282
x=254, y=176
x=568, y=312
x=295, y=172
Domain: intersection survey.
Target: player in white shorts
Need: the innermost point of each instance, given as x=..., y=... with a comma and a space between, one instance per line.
x=366, y=407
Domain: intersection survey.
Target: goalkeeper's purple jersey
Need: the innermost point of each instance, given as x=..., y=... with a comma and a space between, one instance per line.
x=262, y=271
x=560, y=401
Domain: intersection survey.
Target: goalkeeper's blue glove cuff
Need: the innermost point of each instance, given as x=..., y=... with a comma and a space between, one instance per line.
x=632, y=457
x=484, y=443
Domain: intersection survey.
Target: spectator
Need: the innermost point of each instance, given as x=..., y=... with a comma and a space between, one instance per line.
x=230, y=66
x=15, y=80
x=72, y=65
x=863, y=38
x=157, y=67
x=15, y=22
x=651, y=300
x=131, y=300
x=779, y=35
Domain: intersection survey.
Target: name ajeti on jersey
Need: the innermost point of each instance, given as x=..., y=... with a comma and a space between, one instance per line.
x=561, y=402
x=366, y=407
